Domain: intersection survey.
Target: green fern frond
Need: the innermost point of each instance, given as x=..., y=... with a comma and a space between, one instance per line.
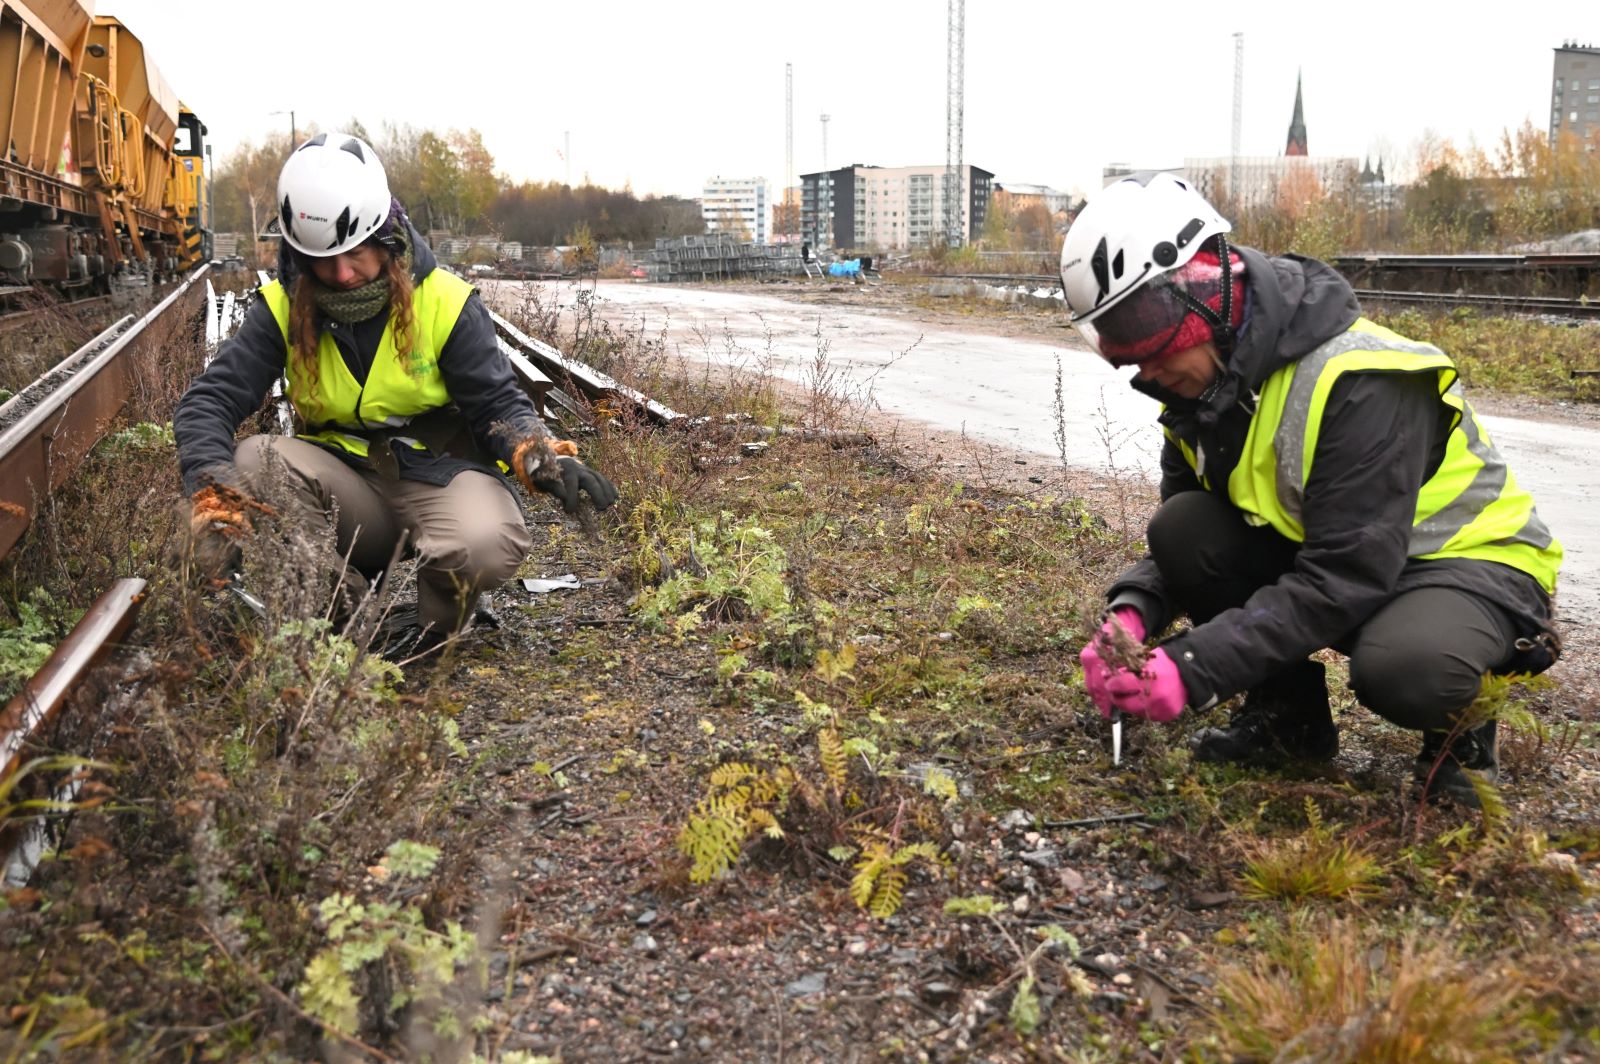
x=1313, y=816
x=928, y=851
x=1490, y=801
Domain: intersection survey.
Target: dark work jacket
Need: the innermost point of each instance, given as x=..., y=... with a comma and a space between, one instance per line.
x=475, y=372
x=1382, y=436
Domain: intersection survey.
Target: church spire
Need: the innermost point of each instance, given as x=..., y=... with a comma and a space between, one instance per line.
x=1297, y=125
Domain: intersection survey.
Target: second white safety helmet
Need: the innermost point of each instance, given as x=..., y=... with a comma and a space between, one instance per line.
x=332, y=194
x=1137, y=229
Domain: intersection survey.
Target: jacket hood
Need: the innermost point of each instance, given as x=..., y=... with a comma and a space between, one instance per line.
x=423, y=260
x=1292, y=306
x=1295, y=305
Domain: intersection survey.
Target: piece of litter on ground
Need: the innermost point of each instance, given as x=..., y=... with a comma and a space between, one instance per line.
x=544, y=587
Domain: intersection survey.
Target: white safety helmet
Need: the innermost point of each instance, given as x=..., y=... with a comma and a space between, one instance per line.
x=332, y=195
x=1139, y=228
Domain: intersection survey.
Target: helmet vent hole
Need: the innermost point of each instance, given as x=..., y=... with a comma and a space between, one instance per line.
x=1116, y=266
x=1098, y=264
x=353, y=146
x=1164, y=254
x=315, y=142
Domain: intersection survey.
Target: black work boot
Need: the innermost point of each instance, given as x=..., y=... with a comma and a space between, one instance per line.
x=1442, y=765
x=1285, y=718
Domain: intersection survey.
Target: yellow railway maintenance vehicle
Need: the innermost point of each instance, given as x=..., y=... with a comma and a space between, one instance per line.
x=104, y=177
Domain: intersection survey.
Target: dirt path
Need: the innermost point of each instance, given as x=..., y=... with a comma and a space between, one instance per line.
x=991, y=379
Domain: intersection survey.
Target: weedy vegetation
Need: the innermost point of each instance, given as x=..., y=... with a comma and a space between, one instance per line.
x=788, y=761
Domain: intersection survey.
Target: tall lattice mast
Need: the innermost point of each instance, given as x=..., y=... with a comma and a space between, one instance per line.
x=825, y=140
x=788, y=147
x=955, y=64
x=1238, y=117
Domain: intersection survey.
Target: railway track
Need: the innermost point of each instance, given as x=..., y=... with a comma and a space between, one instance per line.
x=1549, y=306
x=18, y=318
x=46, y=429
x=1577, y=309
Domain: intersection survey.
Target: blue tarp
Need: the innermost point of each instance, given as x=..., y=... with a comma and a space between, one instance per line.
x=844, y=269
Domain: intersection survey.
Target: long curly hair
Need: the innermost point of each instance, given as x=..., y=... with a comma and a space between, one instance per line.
x=305, y=334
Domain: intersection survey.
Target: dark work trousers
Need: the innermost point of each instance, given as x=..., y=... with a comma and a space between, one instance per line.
x=468, y=535
x=1417, y=662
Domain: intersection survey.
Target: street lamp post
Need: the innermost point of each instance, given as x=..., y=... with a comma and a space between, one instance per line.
x=293, y=135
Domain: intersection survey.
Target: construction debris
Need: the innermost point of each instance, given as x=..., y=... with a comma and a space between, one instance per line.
x=720, y=255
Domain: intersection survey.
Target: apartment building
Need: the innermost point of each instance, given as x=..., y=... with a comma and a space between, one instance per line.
x=888, y=208
x=1575, y=93
x=736, y=204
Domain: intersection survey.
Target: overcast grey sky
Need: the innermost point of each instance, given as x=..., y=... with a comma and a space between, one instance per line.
x=663, y=95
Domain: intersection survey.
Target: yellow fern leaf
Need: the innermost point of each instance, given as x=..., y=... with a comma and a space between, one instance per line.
x=731, y=805
x=712, y=844
x=872, y=863
x=888, y=893
x=731, y=773
x=831, y=750
x=764, y=820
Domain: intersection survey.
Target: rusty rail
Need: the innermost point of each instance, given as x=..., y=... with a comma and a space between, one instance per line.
x=42, y=697
x=36, y=706
x=58, y=418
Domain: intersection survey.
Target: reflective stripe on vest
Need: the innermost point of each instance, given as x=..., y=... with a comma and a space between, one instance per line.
x=337, y=408
x=1471, y=507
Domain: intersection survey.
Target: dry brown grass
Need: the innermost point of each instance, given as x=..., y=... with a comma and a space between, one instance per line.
x=1334, y=992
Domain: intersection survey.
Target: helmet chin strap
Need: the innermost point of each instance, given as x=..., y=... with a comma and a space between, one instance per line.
x=1223, y=334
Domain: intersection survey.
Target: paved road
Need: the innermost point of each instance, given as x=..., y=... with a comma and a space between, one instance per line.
x=1001, y=390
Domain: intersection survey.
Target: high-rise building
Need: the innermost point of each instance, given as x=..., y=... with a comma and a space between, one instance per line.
x=1575, y=93
x=736, y=205
x=889, y=208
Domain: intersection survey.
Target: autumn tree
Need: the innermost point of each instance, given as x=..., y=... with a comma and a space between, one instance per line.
x=245, y=191
x=478, y=185
x=786, y=217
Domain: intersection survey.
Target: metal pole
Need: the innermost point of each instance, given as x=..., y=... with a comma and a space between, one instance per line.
x=207, y=215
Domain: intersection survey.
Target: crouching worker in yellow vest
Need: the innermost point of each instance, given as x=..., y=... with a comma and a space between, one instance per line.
x=406, y=408
x=1324, y=483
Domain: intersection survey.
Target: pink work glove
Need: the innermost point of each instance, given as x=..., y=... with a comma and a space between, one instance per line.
x=1155, y=694
x=1095, y=670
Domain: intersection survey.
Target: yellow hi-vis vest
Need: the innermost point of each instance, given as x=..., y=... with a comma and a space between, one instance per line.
x=1470, y=508
x=337, y=409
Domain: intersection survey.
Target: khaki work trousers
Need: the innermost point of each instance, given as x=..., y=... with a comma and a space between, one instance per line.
x=468, y=535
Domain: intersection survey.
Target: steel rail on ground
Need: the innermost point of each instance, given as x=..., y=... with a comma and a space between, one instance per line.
x=53, y=422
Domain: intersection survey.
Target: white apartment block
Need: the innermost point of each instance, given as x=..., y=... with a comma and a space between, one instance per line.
x=736, y=204
x=1264, y=182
